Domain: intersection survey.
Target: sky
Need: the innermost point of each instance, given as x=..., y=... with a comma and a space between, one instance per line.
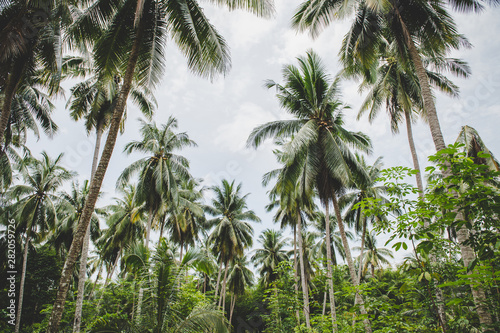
x=220, y=115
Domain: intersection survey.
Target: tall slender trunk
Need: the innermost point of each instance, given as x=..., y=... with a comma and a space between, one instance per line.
x=420, y=186
x=350, y=264
x=414, y=156
x=329, y=266
x=305, y=289
x=223, y=288
x=423, y=80
x=21, y=283
x=296, y=272
x=95, y=187
x=82, y=273
x=96, y=279
x=233, y=302
x=13, y=81
x=363, y=235
x=324, y=301
x=218, y=281
x=180, y=254
x=148, y=227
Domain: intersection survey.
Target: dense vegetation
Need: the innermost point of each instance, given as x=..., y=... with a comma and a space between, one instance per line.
x=172, y=255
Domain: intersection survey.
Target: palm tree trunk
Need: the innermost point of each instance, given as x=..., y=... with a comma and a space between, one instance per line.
x=10, y=92
x=223, y=289
x=305, y=290
x=414, y=156
x=296, y=271
x=324, y=301
x=95, y=187
x=180, y=254
x=96, y=279
x=21, y=284
x=148, y=227
x=329, y=266
x=218, y=281
x=350, y=264
x=363, y=235
x=233, y=302
x=420, y=186
x=423, y=80
x=82, y=273
x=478, y=294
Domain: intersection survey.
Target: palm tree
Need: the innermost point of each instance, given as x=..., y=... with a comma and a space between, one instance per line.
x=187, y=218
x=373, y=257
x=422, y=23
x=23, y=50
x=232, y=233
x=270, y=255
x=31, y=110
x=473, y=144
x=35, y=206
x=397, y=87
x=187, y=25
x=239, y=278
x=161, y=170
x=318, y=156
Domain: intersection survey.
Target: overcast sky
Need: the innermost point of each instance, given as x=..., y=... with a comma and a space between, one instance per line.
x=220, y=115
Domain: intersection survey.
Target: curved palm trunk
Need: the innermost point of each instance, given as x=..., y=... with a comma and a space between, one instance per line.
x=95, y=187
x=21, y=284
x=9, y=93
x=82, y=273
x=329, y=267
x=305, y=290
x=296, y=273
x=350, y=264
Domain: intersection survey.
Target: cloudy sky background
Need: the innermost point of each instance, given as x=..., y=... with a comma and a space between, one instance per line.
x=220, y=115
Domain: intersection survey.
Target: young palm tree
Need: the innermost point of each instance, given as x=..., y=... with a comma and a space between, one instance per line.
x=140, y=39
x=35, y=206
x=318, y=156
x=160, y=171
x=270, y=255
x=233, y=232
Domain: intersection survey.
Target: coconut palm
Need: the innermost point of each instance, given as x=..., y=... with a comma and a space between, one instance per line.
x=374, y=256
x=270, y=255
x=318, y=155
x=25, y=51
x=160, y=171
x=187, y=218
x=232, y=232
x=397, y=87
x=423, y=25
x=140, y=38
x=35, y=206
